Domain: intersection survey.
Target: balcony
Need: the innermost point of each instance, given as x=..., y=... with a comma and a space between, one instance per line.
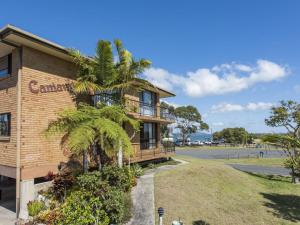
x=137, y=108
x=148, y=110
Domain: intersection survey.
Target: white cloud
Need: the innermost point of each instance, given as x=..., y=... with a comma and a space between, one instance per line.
x=222, y=79
x=175, y=105
x=218, y=124
x=259, y=106
x=228, y=107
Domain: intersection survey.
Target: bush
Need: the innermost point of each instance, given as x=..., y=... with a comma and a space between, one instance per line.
x=82, y=208
x=127, y=208
x=49, y=216
x=114, y=205
x=61, y=184
x=35, y=207
x=90, y=181
x=137, y=170
x=117, y=177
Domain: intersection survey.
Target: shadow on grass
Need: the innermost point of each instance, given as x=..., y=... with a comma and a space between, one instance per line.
x=200, y=222
x=284, y=206
x=272, y=177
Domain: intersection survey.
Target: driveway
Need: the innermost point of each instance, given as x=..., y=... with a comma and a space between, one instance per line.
x=232, y=154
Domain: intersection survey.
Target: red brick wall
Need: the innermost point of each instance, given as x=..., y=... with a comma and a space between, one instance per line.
x=38, y=154
x=8, y=103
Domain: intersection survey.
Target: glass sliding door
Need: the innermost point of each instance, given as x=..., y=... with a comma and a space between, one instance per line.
x=148, y=136
x=148, y=103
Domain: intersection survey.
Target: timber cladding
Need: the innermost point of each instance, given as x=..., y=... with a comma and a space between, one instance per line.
x=40, y=104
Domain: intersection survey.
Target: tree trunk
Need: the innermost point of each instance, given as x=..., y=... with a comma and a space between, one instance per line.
x=99, y=162
x=120, y=156
x=85, y=162
x=293, y=175
x=97, y=156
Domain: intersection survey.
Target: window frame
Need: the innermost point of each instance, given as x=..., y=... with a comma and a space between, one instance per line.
x=146, y=139
x=8, y=68
x=8, y=135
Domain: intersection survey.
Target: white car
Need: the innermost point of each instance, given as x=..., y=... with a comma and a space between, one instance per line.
x=198, y=143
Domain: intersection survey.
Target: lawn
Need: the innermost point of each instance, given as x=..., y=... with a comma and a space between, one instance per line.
x=210, y=192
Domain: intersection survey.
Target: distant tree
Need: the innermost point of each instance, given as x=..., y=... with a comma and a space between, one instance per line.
x=287, y=115
x=164, y=130
x=189, y=121
x=237, y=135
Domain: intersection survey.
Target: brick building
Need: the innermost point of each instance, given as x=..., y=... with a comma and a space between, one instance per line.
x=35, y=78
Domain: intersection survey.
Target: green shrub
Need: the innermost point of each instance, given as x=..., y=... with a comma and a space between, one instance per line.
x=137, y=170
x=152, y=166
x=127, y=207
x=112, y=197
x=114, y=205
x=83, y=208
x=90, y=181
x=35, y=207
x=117, y=177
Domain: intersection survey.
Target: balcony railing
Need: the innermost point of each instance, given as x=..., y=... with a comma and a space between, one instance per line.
x=136, y=107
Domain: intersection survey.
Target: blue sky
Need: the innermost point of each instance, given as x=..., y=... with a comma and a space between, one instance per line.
x=232, y=59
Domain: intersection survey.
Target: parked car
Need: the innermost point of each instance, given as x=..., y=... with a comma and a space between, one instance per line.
x=178, y=143
x=197, y=143
x=215, y=143
x=208, y=142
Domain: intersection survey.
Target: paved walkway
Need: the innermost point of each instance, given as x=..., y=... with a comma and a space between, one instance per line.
x=143, y=197
x=268, y=170
x=7, y=217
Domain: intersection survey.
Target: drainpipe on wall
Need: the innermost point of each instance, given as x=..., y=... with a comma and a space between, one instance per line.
x=19, y=89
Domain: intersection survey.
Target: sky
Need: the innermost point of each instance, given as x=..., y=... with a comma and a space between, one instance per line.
x=231, y=59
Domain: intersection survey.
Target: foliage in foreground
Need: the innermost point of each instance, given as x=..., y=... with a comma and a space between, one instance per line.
x=86, y=126
x=92, y=198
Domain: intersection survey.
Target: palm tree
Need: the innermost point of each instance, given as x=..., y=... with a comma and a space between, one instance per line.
x=101, y=74
x=81, y=128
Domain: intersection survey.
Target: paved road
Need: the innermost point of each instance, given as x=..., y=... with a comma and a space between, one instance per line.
x=224, y=154
x=245, y=153
x=268, y=170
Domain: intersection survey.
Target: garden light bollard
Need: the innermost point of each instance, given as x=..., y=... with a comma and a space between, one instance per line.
x=160, y=215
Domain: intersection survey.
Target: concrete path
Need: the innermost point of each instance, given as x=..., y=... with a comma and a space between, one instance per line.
x=268, y=170
x=143, y=197
x=7, y=217
x=224, y=154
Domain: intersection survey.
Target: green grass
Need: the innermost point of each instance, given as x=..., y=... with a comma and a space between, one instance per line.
x=277, y=162
x=206, y=191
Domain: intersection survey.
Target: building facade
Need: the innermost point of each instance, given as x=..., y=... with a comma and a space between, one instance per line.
x=36, y=77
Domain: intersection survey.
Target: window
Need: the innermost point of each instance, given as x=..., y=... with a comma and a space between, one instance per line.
x=148, y=135
x=147, y=103
x=5, y=66
x=5, y=124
